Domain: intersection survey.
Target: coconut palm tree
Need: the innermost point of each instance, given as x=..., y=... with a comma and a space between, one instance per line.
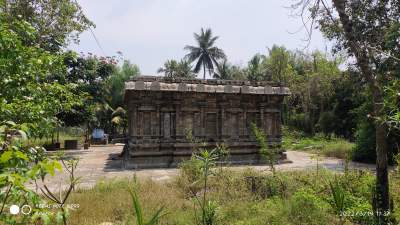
x=185, y=70
x=223, y=71
x=205, y=53
x=170, y=68
x=174, y=69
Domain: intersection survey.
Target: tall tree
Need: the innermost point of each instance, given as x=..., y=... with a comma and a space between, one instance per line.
x=363, y=29
x=277, y=63
x=206, y=54
x=29, y=102
x=255, y=70
x=56, y=22
x=116, y=82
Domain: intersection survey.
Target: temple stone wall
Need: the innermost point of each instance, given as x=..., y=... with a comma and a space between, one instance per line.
x=161, y=113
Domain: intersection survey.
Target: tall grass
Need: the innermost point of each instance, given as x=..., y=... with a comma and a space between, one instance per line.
x=326, y=146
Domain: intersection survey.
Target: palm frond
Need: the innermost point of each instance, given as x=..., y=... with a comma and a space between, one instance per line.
x=209, y=63
x=199, y=63
x=206, y=54
x=216, y=53
x=212, y=40
x=119, y=112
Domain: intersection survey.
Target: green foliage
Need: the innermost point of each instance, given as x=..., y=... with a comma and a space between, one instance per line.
x=205, y=52
x=56, y=22
x=277, y=64
x=330, y=146
x=20, y=164
x=190, y=170
x=346, y=99
x=210, y=213
x=307, y=208
x=313, y=79
x=208, y=208
x=227, y=71
x=90, y=76
x=300, y=121
x=174, y=69
x=326, y=122
x=392, y=103
x=115, y=83
x=139, y=211
x=288, y=197
x=27, y=96
x=269, y=153
x=255, y=70
x=364, y=150
x=339, y=197
x=365, y=143
x=31, y=99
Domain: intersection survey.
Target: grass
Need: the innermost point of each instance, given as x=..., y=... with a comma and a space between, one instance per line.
x=326, y=146
x=296, y=197
x=65, y=134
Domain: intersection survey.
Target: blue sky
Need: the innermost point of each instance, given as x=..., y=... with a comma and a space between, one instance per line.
x=148, y=32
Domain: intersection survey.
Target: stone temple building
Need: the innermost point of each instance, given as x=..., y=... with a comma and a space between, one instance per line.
x=163, y=111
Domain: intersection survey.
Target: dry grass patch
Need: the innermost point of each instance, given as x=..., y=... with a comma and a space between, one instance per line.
x=109, y=201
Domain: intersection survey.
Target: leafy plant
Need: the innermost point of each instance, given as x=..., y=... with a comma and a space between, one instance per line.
x=338, y=199
x=269, y=153
x=140, y=220
x=70, y=166
x=207, y=159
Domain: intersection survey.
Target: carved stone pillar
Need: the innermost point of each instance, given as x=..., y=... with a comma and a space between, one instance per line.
x=222, y=123
x=167, y=125
x=179, y=122
x=132, y=120
x=245, y=125
x=262, y=120
x=158, y=119
x=202, y=121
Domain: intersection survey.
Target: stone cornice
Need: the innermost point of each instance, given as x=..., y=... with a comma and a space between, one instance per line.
x=152, y=83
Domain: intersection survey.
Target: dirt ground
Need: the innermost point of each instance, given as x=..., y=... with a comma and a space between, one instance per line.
x=99, y=163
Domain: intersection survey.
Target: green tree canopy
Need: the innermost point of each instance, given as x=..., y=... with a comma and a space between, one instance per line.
x=56, y=22
x=206, y=54
x=115, y=84
x=27, y=94
x=175, y=69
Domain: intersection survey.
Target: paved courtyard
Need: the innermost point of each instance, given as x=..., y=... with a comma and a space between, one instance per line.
x=101, y=162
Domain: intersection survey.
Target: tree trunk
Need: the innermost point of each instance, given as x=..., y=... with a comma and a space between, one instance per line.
x=204, y=71
x=382, y=179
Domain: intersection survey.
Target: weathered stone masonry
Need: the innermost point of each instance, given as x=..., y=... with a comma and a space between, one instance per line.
x=161, y=111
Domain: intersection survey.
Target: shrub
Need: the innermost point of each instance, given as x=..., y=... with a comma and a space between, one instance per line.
x=191, y=169
x=365, y=143
x=330, y=147
x=189, y=173
x=364, y=150
x=300, y=121
x=268, y=186
x=338, y=148
x=307, y=208
x=326, y=123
